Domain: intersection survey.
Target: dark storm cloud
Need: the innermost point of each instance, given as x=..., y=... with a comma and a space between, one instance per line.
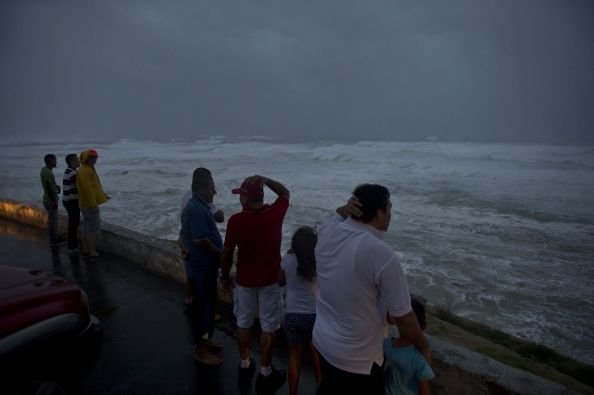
x=380, y=69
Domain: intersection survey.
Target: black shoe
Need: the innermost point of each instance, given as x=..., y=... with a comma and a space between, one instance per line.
x=244, y=376
x=269, y=385
x=57, y=242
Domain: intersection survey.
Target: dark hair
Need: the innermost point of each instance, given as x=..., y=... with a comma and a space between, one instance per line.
x=200, y=178
x=48, y=157
x=372, y=197
x=303, y=244
x=419, y=310
x=255, y=200
x=70, y=157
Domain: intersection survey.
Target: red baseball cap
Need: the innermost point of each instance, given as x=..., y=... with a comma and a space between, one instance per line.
x=92, y=152
x=251, y=189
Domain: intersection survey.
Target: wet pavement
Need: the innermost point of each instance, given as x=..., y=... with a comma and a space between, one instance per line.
x=147, y=347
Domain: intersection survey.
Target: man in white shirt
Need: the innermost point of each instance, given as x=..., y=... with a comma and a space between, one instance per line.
x=356, y=271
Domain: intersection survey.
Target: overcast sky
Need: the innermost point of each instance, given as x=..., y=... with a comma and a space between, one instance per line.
x=471, y=69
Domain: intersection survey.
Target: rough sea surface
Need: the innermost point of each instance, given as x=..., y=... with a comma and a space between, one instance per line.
x=501, y=233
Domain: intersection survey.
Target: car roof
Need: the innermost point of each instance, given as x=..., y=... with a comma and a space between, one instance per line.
x=29, y=296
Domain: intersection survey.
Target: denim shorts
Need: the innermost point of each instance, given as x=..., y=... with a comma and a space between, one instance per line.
x=91, y=220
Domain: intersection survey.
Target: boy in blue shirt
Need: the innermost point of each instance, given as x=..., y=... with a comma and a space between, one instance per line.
x=405, y=369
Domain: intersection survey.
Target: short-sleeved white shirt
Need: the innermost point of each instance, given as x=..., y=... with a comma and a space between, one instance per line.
x=355, y=269
x=301, y=293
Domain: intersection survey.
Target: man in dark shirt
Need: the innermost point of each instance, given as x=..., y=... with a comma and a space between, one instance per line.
x=202, y=240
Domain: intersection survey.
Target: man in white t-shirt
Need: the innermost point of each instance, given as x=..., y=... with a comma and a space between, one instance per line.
x=356, y=271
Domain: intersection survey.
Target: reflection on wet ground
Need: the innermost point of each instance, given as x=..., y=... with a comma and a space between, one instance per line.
x=147, y=346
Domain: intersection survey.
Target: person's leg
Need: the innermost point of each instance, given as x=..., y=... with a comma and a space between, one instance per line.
x=244, y=309
x=315, y=358
x=270, y=310
x=188, y=299
x=295, y=354
x=295, y=343
x=73, y=221
x=52, y=221
x=332, y=380
x=267, y=341
x=84, y=231
x=53, y=225
x=244, y=342
x=211, y=278
x=199, y=313
x=94, y=227
x=91, y=244
x=376, y=381
x=337, y=381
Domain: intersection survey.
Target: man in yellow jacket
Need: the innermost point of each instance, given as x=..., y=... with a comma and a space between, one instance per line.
x=90, y=196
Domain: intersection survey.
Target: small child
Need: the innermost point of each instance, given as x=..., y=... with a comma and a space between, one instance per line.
x=298, y=273
x=405, y=369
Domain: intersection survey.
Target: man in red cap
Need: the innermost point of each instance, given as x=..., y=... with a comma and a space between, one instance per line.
x=256, y=232
x=90, y=196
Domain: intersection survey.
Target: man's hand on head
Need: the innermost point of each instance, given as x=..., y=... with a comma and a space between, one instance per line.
x=256, y=179
x=354, y=207
x=351, y=209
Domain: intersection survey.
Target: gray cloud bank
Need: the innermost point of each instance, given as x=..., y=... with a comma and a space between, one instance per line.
x=471, y=69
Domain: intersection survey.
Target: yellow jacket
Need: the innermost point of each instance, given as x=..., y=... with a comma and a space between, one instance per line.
x=90, y=192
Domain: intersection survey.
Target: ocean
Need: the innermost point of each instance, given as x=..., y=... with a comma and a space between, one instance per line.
x=502, y=234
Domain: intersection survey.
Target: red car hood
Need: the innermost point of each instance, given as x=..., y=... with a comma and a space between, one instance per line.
x=30, y=296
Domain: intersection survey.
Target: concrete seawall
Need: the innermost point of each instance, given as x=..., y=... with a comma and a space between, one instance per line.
x=156, y=254
x=458, y=370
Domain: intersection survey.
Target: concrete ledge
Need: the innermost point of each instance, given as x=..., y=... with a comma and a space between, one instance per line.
x=156, y=254
x=461, y=371
x=458, y=370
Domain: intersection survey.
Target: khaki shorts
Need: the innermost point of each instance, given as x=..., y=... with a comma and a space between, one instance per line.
x=265, y=301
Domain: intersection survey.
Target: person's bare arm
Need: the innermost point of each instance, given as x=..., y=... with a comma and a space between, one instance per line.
x=226, y=263
x=273, y=185
x=352, y=208
x=424, y=387
x=282, y=278
x=409, y=328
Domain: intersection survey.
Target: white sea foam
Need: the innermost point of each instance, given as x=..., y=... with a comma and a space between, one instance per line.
x=503, y=233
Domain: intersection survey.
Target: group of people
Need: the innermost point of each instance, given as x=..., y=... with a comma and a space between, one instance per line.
x=81, y=193
x=344, y=288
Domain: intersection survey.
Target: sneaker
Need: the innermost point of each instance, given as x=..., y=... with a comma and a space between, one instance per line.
x=58, y=242
x=73, y=250
x=269, y=385
x=244, y=376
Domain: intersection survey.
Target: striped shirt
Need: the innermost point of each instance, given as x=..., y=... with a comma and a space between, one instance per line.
x=69, y=191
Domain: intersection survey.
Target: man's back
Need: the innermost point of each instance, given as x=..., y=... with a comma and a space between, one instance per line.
x=351, y=262
x=257, y=235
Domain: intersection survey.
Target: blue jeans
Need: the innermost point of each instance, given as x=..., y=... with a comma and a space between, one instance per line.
x=202, y=309
x=52, y=220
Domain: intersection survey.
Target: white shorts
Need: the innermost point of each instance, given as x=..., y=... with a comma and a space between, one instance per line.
x=266, y=301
